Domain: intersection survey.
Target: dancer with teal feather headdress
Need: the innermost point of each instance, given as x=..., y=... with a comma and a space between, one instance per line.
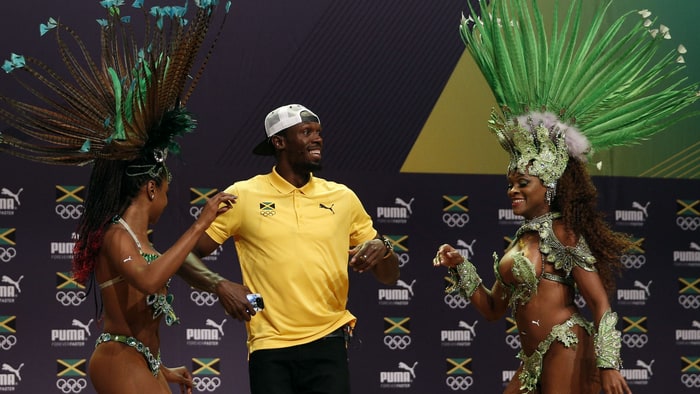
x=120, y=112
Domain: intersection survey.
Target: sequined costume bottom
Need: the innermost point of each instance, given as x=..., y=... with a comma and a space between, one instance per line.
x=532, y=365
x=152, y=361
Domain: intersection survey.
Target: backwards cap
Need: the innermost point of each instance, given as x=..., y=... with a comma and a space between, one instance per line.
x=281, y=119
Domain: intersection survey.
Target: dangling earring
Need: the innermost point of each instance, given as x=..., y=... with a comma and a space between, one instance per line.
x=551, y=192
x=153, y=196
x=549, y=195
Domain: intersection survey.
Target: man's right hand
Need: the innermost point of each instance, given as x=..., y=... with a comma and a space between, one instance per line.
x=234, y=300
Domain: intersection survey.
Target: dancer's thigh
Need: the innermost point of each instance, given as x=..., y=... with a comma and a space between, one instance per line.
x=570, y=370
x=116, y=368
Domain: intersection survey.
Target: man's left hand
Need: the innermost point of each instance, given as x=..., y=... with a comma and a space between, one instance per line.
x=366, y=255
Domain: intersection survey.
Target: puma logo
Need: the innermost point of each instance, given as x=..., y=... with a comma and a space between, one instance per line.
x=327, y=207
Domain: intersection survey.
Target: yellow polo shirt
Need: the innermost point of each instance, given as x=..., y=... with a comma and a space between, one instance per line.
x=292, y=245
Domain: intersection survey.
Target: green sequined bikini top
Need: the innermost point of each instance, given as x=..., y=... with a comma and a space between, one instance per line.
x=562, y=257
x=160, y=303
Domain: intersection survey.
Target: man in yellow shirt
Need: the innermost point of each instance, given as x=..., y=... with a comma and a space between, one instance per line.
x=295, y=235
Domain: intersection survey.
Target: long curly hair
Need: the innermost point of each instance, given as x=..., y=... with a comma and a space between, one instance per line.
x=106, y=198
x=577, y=198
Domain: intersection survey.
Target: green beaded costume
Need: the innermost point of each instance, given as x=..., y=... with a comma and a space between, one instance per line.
x=563, y=92
x=563, y=259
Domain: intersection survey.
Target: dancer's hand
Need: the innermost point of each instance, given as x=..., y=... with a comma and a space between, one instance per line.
x=215, y=206
x=179, y=375
x=447, y=256
x=613, y=382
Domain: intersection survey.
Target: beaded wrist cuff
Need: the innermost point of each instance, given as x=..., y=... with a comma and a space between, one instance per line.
x=607, y=342
x=465, y=279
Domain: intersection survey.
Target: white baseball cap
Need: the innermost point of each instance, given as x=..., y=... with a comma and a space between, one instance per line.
x=281, y=119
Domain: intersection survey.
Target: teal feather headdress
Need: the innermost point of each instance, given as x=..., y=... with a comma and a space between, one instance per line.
x=586, y=87
x=125, y=104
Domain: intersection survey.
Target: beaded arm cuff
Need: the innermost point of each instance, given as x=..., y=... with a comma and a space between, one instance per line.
x=607, y=342
x=465, y=279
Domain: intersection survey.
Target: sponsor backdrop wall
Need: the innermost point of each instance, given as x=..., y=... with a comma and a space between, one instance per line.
x=404, y=115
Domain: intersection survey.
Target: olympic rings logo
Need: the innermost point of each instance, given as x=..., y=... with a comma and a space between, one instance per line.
x=71, y=385
x=633, y=261
x=459, y=382
x=394, y=342
x=635, y=340
x=69, y=211
x=455, y=301
x=70, y=298
x=455, y=219
x=513, y=341
x=203, y=298
x=7, y=254
x=404, y=258
x=686, y=223
x=689, y=301
x=206, y=383
x=690, y=380
x=7, y=341
x=195, y=211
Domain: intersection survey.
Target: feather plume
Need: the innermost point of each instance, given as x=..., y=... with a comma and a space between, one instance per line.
x=611, y=85
x=119, y=106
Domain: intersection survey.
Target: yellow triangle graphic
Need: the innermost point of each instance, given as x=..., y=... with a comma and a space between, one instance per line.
x=455, y=139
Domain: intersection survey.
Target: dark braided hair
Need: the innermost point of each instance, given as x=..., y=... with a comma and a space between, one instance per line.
x=107, y=198
x=576, y=198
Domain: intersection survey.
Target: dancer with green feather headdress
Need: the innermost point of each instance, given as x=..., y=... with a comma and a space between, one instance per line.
x=565, y=90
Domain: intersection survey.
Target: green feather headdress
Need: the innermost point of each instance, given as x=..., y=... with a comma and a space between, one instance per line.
x=589, y=87
x=129, y=103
